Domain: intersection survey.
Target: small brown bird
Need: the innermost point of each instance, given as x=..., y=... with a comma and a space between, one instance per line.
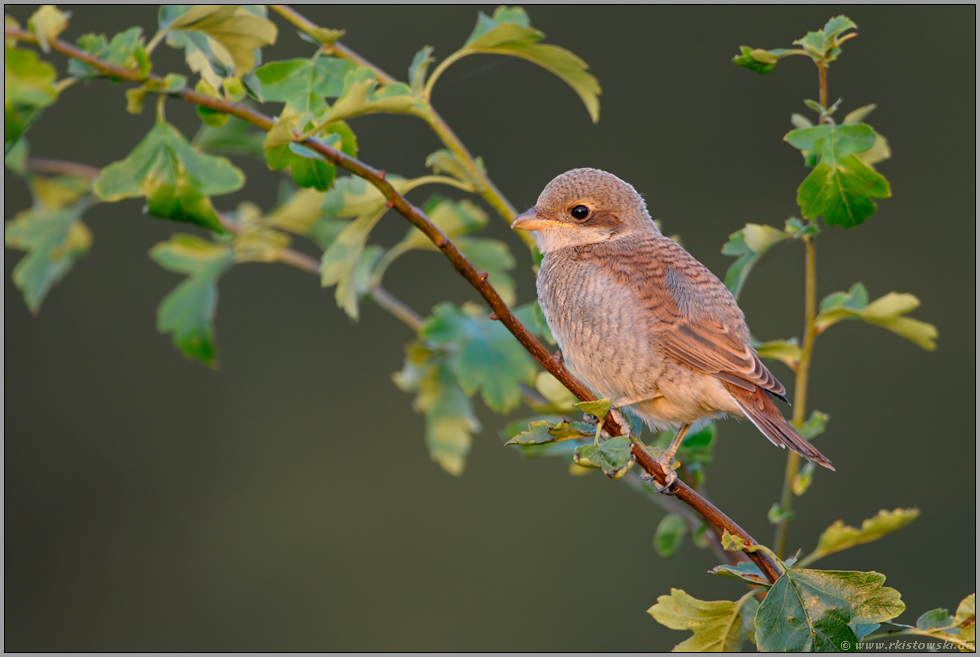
x=642, y=322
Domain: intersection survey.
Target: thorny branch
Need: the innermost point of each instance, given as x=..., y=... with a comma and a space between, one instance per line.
x=477, y=279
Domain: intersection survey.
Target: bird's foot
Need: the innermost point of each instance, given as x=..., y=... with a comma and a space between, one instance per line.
x=670, y=477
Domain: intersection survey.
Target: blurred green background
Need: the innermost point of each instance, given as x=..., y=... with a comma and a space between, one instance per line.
x=287, y=502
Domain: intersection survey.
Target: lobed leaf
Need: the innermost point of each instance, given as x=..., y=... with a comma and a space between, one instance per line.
x=841, y=187
x=614, y=456
x=28, y=87
x=749, y=244
x=53, y=237
x=219, y=41
x=302, y=84
x=418, y=70
x=483, y=354
x=234, y=137
x=340, y=260
x=176, y=180
x=449, y=417
x=670, y=535
x=126, y=50
x=509, y=32
x=361, y=95
x=188, y=310
x=47, y=23
x=811, y=610
x=718, y=626
x=839, y=536
x=887, y=312
x=787, y=351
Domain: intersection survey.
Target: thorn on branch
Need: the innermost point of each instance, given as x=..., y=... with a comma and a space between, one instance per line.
x=493, y=316
x=557, y=357
x=484, y=275
x=442, y=242
x=381, y=174
x=389, y=204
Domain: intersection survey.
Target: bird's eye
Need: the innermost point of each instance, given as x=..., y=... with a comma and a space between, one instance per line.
x=580, y=212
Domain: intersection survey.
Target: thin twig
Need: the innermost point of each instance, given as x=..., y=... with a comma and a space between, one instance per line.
x=61, y=168
x=463, y=266
x=486, y=188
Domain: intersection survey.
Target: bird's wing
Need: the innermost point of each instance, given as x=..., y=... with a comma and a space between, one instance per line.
x=697, y=320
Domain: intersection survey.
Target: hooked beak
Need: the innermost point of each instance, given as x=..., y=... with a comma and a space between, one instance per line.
x=534, y=220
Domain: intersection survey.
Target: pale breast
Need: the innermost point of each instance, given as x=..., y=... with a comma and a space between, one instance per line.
x=602, y=336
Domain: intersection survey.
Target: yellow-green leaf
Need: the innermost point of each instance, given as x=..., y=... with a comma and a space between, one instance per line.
x=839, y=536
x=509, y=33
x=887, y=312
x=47, y=23
x=718, y=626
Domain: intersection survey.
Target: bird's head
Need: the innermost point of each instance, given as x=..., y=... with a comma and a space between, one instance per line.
x=585, y=206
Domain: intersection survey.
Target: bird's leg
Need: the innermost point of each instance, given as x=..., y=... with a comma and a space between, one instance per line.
x=667, y=459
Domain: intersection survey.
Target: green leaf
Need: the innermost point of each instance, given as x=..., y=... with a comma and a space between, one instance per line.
x=840, y=187
x=787, y=351
x=53, y=238
x=176, y=180
x=614, y=456
x=28, y=87
x=307, y=167
x=555, y=392
x=509, y=33
x=419, y=69
x=126, y=50
x=209, y=116
x=598, y=409
x=810, y=610
x=445, y=161
x=352, y=288
x=454, y=218
x=803, y=478
x=670, y=535
x=749, y=244
x=343, y=256
x=188, y=311
x=935, y=619
x=887, y=312
x=302, y=84
x=731, y=542
x=352, y=197
x=484, y=355
x=745, y=571
x=449, y=417
x=834, y=28
x=814, y=426
x=47, y=23
x=299, y=213
x=361, y=95
x=235, y=137
x=170, y=84
x=718, y=626
x=756, y=60
x=543, y=431
x=219, y=41
x=494, y=258
x=839, y=536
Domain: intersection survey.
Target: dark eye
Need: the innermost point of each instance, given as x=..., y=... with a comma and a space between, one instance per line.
x=580, y=212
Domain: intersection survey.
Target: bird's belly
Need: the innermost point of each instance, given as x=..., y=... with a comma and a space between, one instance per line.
x=613, y=348
x=601, y=337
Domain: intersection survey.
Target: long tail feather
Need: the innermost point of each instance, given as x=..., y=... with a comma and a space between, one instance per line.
x=758, y=407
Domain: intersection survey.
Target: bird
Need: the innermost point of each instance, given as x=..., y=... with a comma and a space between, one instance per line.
x=641, y=322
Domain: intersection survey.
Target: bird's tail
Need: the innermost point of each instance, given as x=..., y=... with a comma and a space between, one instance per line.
x=759, y=408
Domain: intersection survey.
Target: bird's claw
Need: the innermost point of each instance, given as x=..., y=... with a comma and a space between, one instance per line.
x=671, y=477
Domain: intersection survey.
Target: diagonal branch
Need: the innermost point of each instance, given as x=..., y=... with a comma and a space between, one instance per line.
x=463, y=266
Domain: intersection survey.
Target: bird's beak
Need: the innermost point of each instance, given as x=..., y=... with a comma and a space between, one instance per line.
x=534, y=220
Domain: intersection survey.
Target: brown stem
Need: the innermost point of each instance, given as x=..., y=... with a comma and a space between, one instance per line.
x=823, y=86
x=409, y=317
x=477, y=279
